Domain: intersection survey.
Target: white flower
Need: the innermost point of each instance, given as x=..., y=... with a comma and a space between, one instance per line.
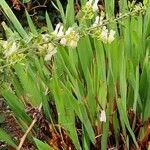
x=101, y=20
x=111, y=36
x=45, y=37
x=96, y=22
x=103, y=116
x=104, y=34
x=70, y=38
x=58, y=30
x=10, y=49
x=97, y=19
x=95, y=6
x=63, y=41
x=72, y=44
x=50, y=54
x=70, y=29
x=51, y=47
x=89, y=3
x=107, y=37
x=102, y=14
x=51, y=51
x=5, y=44
x=42, y=47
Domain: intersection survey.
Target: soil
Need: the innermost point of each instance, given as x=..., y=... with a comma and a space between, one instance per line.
x=8, y=123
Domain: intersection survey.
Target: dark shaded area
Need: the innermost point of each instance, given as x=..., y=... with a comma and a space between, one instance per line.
x=36, y=9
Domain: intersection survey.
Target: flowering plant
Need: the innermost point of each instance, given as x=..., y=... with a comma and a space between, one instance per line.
x=94, y=82
x=48, y=43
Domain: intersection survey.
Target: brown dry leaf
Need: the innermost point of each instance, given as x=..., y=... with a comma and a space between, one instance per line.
x=55, y=138
x=145, y=140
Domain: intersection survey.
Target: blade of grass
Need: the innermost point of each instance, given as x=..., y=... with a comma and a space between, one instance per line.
x=5, y=137
x=13, y=19
x=124, y=116
x=31, y=24
x=16, y=106
x=42, y=146
x=49, y=24
x=70, y=14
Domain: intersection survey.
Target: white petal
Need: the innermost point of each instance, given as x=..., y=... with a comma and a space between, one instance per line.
x=111, y=36
x=63, y=41
x=51, y=47
x=112, y=32
x=45, y=37
x=50, y=54
x=95, y=6
x=110, y=39
x=97, y=19
x=104, y=34
x=103, y=116
x=57, y=28
x=96, y=2
x=104, y=28
x=72, y=44
x=60, y=32
x=89, y=3
x=69, y=30
x=5, y=44
x=12, y=50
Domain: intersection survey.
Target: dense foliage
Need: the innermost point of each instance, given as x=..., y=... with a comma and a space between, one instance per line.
x=82, y=85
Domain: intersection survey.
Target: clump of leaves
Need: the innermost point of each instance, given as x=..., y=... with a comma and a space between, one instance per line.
x=93, y=95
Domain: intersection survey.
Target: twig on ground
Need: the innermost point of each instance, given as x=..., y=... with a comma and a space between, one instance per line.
x=28, y=130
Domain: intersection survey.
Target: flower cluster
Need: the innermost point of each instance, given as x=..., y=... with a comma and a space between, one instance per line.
x=16, y=49
x=139, y=8
x=87, y=11
x=98, y=21
x=106, y=36
x=51, y=50
x=101, y=32
x=47, y=47
x=46, y=44
x=70, y=38
x=58, y=32
x=92, y=5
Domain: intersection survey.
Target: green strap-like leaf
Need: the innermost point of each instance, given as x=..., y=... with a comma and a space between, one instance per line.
x=6, y=138
x=13, y=18
x=42, y=146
